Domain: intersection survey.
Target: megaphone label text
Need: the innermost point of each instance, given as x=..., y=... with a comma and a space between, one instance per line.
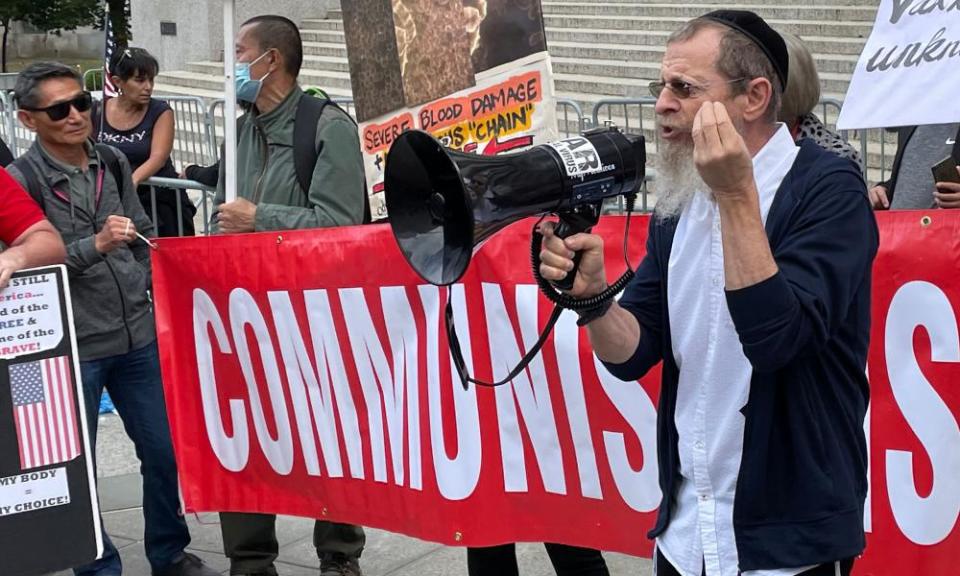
x=579, y=156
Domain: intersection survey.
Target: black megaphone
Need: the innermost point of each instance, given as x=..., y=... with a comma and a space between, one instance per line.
x=443, y=203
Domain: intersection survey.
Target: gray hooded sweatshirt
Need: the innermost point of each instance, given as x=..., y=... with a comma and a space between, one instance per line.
x=111, y=307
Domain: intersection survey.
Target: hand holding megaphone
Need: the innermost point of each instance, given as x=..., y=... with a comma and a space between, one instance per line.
x=557, y=261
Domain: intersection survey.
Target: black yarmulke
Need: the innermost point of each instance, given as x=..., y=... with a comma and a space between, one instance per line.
x=756, y=29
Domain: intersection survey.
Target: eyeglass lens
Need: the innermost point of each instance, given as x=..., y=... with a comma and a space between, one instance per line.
x=61, y=110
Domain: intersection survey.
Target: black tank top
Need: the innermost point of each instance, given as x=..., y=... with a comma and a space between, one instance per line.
x=136, y=142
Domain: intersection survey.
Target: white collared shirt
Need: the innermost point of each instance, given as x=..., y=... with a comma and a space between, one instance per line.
x=714, y=381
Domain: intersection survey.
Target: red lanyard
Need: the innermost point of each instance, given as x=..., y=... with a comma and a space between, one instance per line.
x=98, y=193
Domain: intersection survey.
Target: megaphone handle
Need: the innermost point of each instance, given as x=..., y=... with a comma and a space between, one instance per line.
x=580, y=219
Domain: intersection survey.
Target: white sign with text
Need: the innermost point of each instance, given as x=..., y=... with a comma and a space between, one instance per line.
x=30, y=320
x=35, y=490
x=907, y=73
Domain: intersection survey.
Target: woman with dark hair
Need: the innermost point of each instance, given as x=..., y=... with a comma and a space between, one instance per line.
x=141, y=127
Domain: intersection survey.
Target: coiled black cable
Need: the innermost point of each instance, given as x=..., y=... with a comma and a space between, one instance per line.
x=580, y=304
x=560, y=300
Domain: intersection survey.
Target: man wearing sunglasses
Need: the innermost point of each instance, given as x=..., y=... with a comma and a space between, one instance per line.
x=755, y=295
x=87, y=193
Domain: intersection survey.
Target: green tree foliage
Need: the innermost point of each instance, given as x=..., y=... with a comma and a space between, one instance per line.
x=54, y=16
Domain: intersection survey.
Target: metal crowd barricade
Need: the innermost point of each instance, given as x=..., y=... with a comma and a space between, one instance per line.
x=569, y=126
x=215, y=125
x=8, y=121
x=191, y=144
x=17, y=137
x=93, y=79
x=175, y=184
x=632, y=116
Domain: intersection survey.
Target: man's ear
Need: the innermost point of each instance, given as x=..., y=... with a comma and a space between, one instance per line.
x=26, y=118
x=275, y=60
x=758, y=94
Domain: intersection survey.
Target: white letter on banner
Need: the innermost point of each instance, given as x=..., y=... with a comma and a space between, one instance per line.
x=326, y=348
x=302, y=380
x=400, y=388
x=244, y=311
x=231, y=452
x=924, y=520
x=639, y=489
x=457, y=477
x=566, y=339
x=535, y=403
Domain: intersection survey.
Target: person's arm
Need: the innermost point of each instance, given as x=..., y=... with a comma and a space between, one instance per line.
x=207, y=175
x=135, y=212
x=337, y=190
x=786, y=305
x=627, y=337
x=38, y=245
x=822, y=263
x=161, y=144
x=6, y=157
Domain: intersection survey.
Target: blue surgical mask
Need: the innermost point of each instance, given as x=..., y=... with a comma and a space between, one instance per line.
x=247, y=88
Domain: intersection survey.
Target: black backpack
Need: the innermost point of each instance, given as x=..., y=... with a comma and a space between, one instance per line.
x=106, y=153
x=305, y=150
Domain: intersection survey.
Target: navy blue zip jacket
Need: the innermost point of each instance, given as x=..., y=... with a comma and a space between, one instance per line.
x=802, y=482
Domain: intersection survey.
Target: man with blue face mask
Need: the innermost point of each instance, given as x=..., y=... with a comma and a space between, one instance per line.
x=269, y=53
x=270, y=196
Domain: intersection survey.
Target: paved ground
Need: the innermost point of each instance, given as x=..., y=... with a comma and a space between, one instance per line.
x=386, y=553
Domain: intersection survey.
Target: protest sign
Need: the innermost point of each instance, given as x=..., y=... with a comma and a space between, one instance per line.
x=49, y=517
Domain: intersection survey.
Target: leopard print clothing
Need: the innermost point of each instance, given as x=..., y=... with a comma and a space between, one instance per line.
x=811, y=127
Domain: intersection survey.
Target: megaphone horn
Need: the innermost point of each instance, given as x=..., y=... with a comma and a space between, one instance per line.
x=442, y=203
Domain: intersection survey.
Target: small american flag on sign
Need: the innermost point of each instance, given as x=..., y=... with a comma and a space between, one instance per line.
x=43, y=412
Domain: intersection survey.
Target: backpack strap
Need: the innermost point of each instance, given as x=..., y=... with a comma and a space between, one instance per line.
x=113, y=164
x=305, y=147
x=22, y=164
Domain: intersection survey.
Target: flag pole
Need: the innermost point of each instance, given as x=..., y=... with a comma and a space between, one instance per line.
x=107, y=24
x=229, y=104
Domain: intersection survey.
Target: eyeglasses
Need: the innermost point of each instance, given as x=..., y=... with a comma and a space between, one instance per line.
x=61, y=110
x=683, y=89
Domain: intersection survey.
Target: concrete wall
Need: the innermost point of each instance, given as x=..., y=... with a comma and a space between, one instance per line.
x=81, y=43
x=200, y=25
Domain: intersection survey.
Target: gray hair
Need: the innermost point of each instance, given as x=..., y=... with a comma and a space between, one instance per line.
x=26, y=90
x=803, y=82
x=739, y=57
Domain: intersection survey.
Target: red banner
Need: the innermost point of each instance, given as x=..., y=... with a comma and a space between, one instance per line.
x=308, y=373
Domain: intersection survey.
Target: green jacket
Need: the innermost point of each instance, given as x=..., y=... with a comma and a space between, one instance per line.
x=337, y=192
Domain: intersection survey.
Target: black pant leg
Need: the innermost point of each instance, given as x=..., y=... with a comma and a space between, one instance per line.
x=576, y=561
x=250, y=542
x=493, y=561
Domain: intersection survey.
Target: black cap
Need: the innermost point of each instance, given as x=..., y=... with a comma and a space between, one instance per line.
x=756, y=29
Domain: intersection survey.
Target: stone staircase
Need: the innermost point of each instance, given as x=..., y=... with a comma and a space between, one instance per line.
x=604, y=49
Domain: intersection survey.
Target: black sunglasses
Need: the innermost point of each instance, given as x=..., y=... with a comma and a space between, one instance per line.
x=61, y=110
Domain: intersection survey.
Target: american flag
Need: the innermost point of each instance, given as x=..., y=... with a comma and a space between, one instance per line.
x=43, y=412
x=109, y=90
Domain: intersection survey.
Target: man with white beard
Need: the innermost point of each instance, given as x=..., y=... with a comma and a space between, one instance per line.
x=755, y=294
